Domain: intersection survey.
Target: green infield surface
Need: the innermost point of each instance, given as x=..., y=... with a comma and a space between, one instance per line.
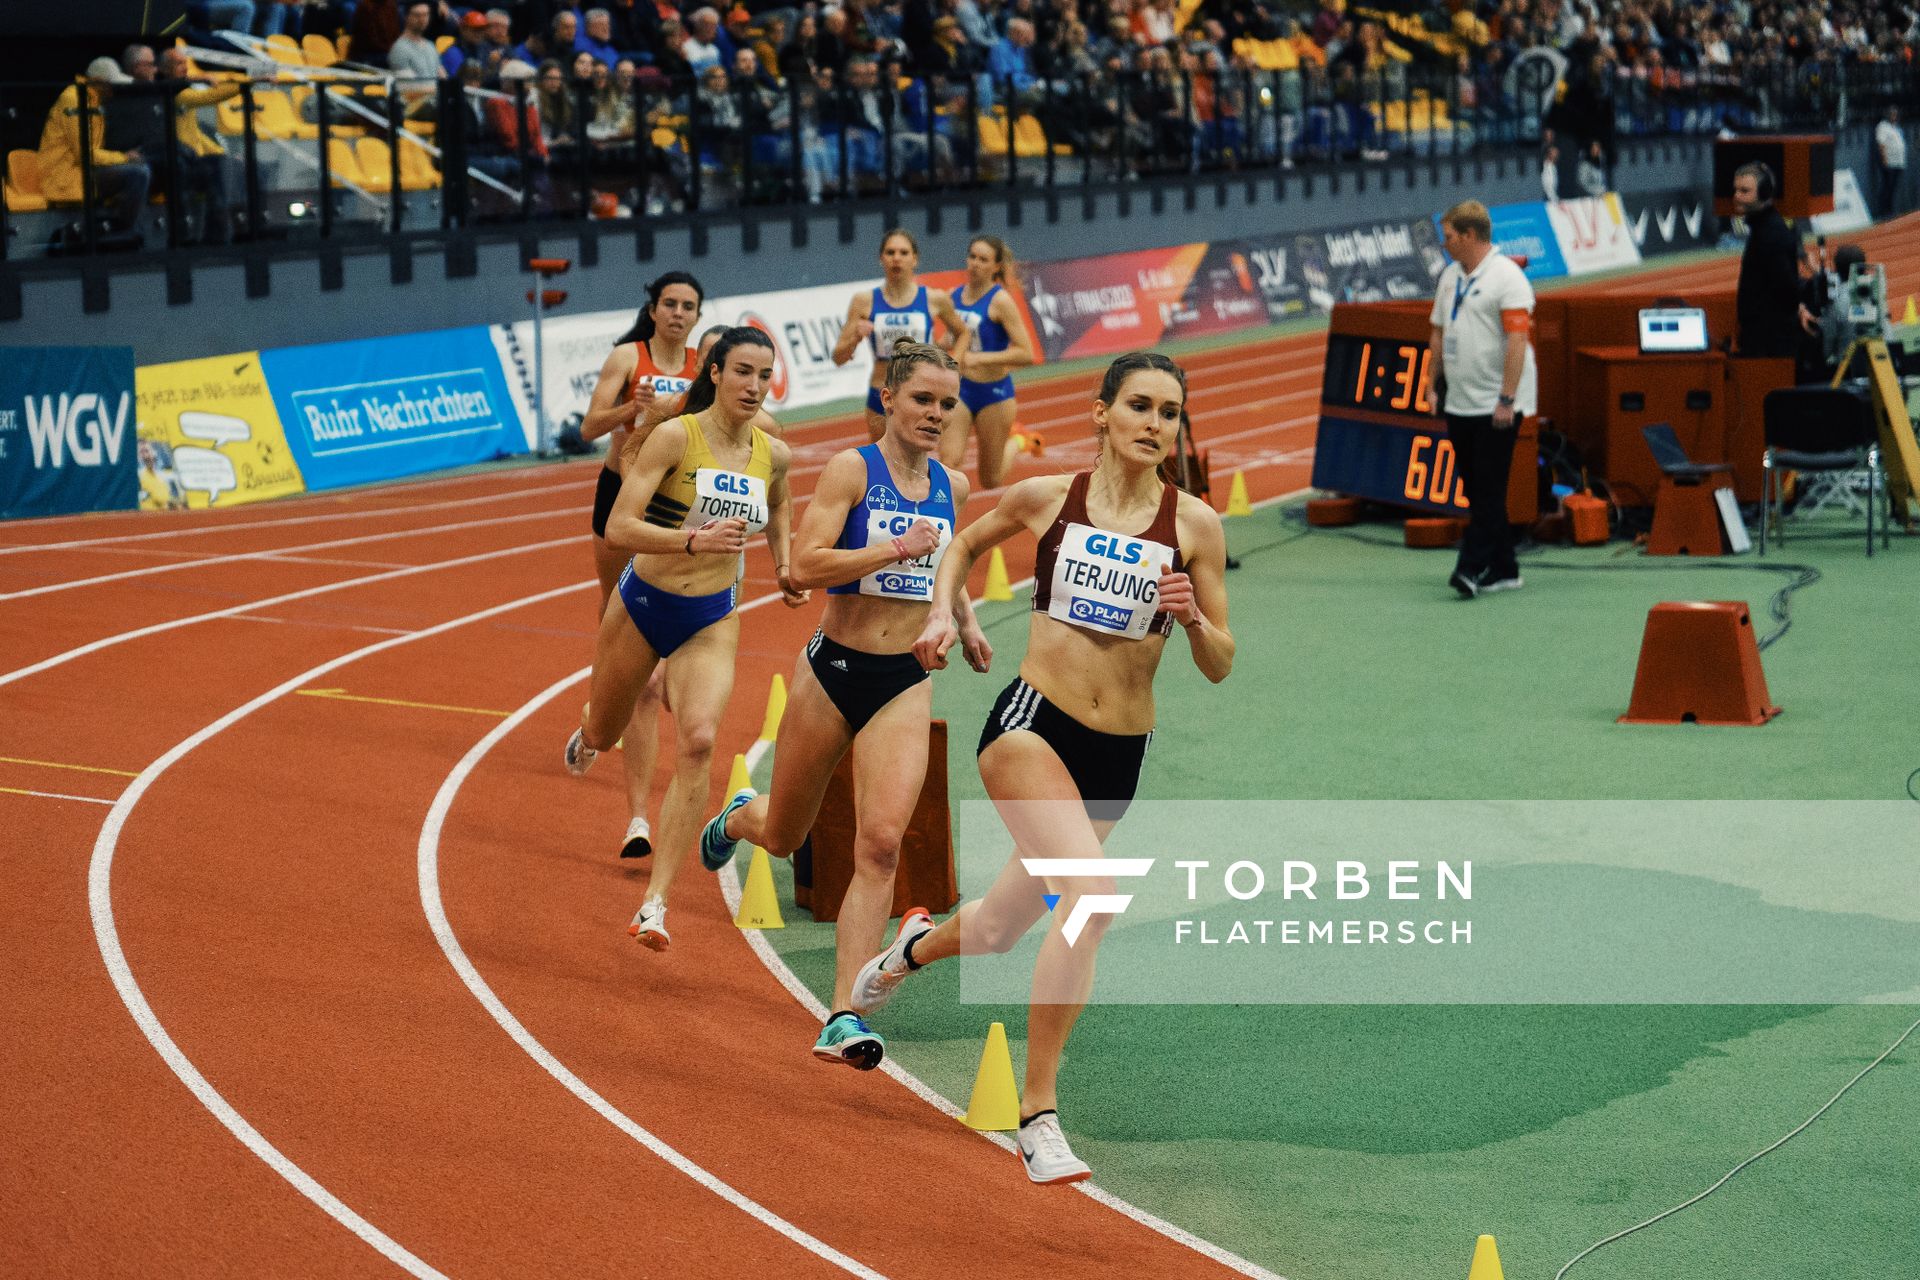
x=1363, y=1141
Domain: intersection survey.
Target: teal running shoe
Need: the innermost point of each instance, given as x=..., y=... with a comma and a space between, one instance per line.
x=848, y=1040
x=716, y=847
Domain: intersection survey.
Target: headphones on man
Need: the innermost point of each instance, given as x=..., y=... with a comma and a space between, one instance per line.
x=1768, y=186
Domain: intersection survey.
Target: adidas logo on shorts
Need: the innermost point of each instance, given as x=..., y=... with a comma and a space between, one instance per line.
x=841, y=663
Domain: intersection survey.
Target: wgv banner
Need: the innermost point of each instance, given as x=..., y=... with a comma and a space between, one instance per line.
x=356, y=412
x=68, y=438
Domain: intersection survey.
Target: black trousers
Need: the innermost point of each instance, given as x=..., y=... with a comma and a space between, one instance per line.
x=1483, y=456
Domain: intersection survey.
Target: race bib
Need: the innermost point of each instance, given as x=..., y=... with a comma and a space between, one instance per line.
x=890, y=326
x=909, y=579
x=723, y=495
x=1107, y=582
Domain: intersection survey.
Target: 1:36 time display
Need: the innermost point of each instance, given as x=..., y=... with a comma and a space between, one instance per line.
x=1383, y=375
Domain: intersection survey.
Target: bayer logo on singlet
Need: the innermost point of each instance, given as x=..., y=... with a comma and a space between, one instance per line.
x=881, y=498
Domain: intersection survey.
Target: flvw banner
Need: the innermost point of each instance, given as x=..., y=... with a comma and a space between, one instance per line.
x=67, y=430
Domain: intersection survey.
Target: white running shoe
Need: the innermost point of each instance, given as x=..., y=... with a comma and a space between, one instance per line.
x=639, y=841
x=1490, y=586
x=874, y=985
x=579, y=756
x=1044, y=1150
x=650, y=925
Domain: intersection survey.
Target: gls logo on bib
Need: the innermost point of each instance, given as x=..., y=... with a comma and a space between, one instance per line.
x=725, y=495
x=912, y=580
x=1107, y=582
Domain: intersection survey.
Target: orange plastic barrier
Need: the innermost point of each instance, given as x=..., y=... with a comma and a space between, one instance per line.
x=1434, y=531
x=1686, y=521
x=925, y=876
x=1327, y=513
x=1699, y=664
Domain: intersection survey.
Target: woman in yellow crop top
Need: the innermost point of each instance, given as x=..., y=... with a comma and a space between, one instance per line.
x=698, y=488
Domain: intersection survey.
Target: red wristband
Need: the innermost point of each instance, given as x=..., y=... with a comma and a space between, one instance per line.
x=900, y=550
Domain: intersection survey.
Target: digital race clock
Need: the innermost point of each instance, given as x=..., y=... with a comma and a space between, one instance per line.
x=1380, y=437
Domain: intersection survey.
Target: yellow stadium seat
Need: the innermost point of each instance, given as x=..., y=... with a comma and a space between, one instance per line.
x=1029, y=139
x=665, y=138
x=345, y=44
x=319, y=51
x=286, y=51
x=277, y=118
x=376, y=164
x=343, y=163
x=23, y=182
x=993, y=134
x=417, y=172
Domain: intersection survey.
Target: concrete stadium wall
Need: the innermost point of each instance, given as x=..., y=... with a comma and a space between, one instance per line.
x=221, y=317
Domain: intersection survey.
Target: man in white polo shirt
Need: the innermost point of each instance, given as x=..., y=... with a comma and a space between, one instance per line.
x=1483, y=370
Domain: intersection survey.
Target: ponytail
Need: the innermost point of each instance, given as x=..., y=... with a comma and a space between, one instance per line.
x=642, y=330
x=700, y=395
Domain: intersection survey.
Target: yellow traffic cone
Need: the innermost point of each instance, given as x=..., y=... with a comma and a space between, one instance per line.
x=759, y=906
x=776, y=707
x=1912, y=316
x=998, y=588
x=1237, y=504
x=739, y=779
x=1486, y=1261
x=995, y=1104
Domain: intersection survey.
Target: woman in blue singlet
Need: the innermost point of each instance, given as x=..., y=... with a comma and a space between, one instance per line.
x=873, y=536
x=1000, y=345
x=1123, y=557
x=899, y=307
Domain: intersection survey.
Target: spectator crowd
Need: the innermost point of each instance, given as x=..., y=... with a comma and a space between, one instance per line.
x=652, y=104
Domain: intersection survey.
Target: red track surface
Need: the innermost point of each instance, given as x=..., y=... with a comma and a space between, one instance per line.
x=263, y=887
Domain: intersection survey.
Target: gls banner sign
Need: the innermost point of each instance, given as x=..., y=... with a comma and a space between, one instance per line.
x=67, y=430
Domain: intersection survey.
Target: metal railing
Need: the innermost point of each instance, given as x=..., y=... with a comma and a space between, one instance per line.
x=356, y=156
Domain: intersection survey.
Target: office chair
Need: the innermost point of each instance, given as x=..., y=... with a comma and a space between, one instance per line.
x=1828, y=430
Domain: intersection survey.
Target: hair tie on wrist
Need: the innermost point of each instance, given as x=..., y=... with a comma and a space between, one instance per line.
x=900, y=550
x=690, y=542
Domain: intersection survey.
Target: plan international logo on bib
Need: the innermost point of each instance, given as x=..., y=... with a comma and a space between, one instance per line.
x=1095, y=613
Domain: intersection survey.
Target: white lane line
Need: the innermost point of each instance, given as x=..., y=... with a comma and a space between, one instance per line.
x=777, y=966
x=107, y=642
x=52, y=795
x=328, y=626
x=269, y=553
x=107, y=936
x=281, y=521
x=429, y=866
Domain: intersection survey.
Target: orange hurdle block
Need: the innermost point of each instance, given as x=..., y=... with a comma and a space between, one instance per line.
x=1327, y=513
x=1699, y=664
x=1433, y=531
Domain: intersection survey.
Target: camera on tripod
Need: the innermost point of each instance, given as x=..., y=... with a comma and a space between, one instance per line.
x=1864, y=295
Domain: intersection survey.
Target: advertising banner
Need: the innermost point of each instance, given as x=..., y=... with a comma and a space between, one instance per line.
x=573, y=347
x=1125, y=301
x=1593, y=235
x=210, y=436
x=1849, y=207
x=67, y=433
x=1375, y=262
x=1663, y=222
x=355, y=412
x=803, y=324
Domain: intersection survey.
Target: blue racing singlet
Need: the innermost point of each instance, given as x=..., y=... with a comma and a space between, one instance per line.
x=883, y=515
x=989, y=335
x=913, y=321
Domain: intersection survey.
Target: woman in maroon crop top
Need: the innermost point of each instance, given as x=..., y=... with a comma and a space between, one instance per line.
x=1123, y=557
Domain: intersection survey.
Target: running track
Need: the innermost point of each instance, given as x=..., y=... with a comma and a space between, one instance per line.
x=304, y=984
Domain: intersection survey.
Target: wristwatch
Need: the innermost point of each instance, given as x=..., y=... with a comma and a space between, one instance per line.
x=1507, y=401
